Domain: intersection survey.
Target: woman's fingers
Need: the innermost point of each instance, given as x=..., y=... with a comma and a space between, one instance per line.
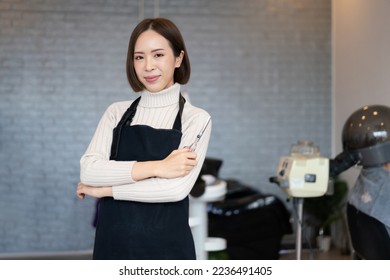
x=80, y=191
x=97, y=192
x=179, y=163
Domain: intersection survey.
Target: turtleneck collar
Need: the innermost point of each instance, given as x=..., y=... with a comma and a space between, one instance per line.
x=162, y=98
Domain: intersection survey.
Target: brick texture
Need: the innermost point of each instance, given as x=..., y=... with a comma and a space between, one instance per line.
x=260, y=68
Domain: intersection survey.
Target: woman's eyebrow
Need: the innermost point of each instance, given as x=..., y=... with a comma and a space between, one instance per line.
x=155, y=50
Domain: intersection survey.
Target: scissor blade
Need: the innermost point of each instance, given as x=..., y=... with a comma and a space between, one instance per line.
x=195, y=143
x=204, y=128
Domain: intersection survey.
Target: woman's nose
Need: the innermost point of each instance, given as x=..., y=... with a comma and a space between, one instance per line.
x=149, y=64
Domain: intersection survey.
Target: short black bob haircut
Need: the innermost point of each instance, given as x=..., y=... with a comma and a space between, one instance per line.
x=169, y=31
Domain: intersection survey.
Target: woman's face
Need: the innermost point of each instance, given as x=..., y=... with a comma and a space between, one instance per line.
x=154, y=61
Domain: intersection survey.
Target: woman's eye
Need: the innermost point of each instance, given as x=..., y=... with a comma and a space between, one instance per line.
x=138, y=57
x=159, y=54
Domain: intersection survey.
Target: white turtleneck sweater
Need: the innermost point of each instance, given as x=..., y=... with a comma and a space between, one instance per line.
x=157, y=110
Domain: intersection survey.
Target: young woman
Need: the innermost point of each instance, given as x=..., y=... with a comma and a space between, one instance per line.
x=138, y=162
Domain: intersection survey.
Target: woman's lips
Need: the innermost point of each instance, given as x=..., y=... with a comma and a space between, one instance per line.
x=151, y=79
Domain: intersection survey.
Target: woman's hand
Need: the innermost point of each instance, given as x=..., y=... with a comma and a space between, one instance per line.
x=178, y=164
x=97, y=192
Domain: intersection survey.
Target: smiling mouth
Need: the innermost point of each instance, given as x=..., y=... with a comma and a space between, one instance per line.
x=151, y=79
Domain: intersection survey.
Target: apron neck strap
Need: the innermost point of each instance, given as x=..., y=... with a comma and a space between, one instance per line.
x=177, y=124
x=128, y=115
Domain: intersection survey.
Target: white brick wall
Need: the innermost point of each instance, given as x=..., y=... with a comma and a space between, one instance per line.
x=261, y=68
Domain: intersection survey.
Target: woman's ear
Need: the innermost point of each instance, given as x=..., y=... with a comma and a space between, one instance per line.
x=179, y=59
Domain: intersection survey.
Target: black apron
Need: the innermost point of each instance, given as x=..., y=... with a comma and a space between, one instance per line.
x=136, y=230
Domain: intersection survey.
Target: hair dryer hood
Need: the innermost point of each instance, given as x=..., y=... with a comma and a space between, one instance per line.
x=367, y=132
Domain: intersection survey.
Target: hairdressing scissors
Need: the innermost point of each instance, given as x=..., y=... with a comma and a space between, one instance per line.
x=193, y=146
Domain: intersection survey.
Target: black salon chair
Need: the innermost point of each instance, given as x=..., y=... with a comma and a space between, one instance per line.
x=369, y=237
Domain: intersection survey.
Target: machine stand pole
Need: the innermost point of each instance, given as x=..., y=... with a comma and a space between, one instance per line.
x=298, y=202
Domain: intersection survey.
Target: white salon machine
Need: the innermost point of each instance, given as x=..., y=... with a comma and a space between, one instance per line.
x=305, y=173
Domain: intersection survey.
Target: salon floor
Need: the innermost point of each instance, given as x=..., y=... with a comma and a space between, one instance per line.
x=327, y=252
x=322, y=250
x=285, y=254
x=315, y=254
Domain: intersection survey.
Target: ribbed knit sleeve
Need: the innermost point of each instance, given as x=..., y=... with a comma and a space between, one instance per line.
x=95, y=167
x=158, y=111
